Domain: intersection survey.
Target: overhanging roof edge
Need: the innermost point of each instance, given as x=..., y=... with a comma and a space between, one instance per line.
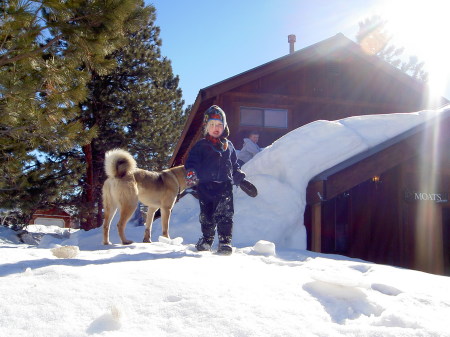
x=444, y=113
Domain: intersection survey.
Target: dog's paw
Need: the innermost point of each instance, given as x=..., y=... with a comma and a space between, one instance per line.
x=127, y=242
x=147, y=241
x=107, y=243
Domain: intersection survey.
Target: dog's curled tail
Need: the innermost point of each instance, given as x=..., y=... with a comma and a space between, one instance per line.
x=119, y=163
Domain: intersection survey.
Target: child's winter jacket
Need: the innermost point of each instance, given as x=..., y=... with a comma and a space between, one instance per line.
x=212, y=164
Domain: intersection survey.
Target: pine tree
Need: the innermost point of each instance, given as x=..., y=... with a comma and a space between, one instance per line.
x=375, y=40
x=48, y=51
x=137, y=107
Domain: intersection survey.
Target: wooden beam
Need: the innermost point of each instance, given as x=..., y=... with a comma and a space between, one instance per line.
x=315, y=192
x=313, y=99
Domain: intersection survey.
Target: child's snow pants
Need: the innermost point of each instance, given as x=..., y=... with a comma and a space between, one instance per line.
x=216, y=210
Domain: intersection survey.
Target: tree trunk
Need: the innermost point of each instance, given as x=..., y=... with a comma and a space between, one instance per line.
x=88, y=220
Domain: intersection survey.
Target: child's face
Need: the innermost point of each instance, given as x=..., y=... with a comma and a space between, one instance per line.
x=254, y=138
x=215, y=128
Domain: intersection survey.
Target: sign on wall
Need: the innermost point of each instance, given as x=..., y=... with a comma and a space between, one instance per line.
x=441, y=197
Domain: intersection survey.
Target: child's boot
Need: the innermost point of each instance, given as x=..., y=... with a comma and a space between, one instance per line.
x=225, y=247
x=204, y=244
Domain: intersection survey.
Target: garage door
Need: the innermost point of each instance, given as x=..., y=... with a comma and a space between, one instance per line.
x=49, y=222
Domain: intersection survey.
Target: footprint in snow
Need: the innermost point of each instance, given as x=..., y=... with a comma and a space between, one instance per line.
x=386, y=289
x=108, y=322
x=342, y=301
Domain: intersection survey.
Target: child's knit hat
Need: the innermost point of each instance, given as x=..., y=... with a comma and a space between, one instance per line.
x=216, y=113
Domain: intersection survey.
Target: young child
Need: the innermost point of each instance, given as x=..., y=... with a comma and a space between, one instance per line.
x=250, y=148
x=212, y=163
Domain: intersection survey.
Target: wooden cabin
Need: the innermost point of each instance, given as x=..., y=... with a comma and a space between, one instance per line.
x=329, y=80
x=389, y=204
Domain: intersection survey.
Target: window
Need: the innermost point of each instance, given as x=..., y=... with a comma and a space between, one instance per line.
x=251, y=116
x=269, y=118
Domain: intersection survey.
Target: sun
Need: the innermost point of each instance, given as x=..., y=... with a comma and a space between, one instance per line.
x=421, y=27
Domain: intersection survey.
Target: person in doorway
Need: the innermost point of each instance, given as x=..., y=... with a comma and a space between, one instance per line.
x=212, y=163
x=250, y=148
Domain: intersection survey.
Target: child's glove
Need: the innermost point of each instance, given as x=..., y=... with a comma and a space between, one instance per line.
x=238, y=176
x=191, y=178
x=248, y=188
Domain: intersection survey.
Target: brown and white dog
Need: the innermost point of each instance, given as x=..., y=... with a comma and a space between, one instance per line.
x=126, y=184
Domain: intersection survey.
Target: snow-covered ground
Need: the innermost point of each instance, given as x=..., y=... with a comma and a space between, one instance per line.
x=71, y=285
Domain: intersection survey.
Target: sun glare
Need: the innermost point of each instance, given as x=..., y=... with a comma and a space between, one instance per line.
x=421, y=28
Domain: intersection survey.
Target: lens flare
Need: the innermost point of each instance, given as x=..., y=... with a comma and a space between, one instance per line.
x=420, y=27
x=428, y=223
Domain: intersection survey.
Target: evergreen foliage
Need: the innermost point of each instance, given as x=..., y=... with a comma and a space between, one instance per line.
x=374, y=39
x=48, y=52
x=137, y=107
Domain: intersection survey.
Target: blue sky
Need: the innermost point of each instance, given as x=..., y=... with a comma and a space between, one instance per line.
x=209, y=41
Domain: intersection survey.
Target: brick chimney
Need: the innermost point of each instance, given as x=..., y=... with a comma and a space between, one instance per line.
x=291, y=40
